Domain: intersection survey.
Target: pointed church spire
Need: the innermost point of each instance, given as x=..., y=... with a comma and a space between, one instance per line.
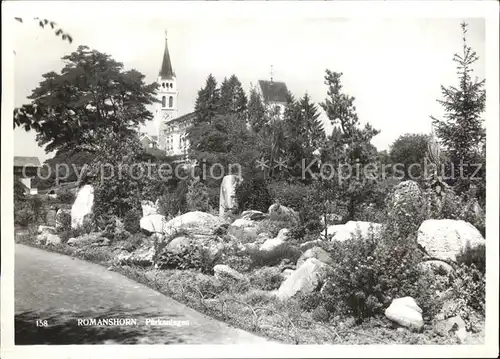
x=166, y=71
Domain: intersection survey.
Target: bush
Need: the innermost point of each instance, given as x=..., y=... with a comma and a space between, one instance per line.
x=197, y=258
x=266, y=278
x=272, y=227
x=65, y=195
x=254, y=194
x=131, y=220
x=30, y=211
x=23, y=216
x=285, y=251
x=473, y=256
x=197, y=198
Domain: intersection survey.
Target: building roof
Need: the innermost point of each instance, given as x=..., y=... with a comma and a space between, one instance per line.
x=166, y=71
x=273, y=91
x=187, y=117
x=22, y=161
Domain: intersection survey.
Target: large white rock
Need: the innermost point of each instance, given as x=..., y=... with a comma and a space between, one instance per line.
x=154, y=223
x=149, y=208
x=305, y=279
x=195, y=223
x=406, y=312
x=343, y=232
x=318, y=253
x=243, y=229
x=227, y=199
x=271, y=244
x=253, y=215
x=445, y=238
x=83, y=205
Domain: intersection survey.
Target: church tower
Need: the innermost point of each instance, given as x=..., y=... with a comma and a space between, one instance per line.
x=166, y=108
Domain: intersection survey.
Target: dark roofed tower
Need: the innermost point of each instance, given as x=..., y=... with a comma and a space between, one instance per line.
x=166, y=109
x=274, y=94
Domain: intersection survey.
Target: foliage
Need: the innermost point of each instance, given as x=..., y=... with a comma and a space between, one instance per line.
x=131, y=220
x=91, y=98
x=256, y=111
x=23, y=216
x=197, y=197
x=473, y=256
x=207, y=101
x=30, y=211
x=461, y=131
x=266, y=278
x=232, y=96
x=268, y=258
x=19, y=191
x=198, y=258
x=407, y=150
x=254, y=194
x=44, y=22
x=65, y=195
x=174, y=201
x=469, y=291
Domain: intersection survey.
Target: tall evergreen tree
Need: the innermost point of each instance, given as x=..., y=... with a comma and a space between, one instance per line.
x=207, y=101
x=256, y=111
x=461, y=131
x=232, y=96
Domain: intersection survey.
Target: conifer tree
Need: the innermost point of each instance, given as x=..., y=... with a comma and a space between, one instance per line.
x=256, y=111
x=207, y=101
x=232, y=96
x=461, y=131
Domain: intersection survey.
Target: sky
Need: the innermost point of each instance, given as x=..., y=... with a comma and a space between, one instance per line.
x=393, y=67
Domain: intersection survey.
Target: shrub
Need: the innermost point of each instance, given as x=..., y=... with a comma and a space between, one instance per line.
x=266, y=278
x=275, y=256
x=19, y=191
x=23, y=216
x=65, y=195
x=197, y=258
x=63, y=219
x=197, y=198
x=308, y=302
x=272, y=227
x=254, y=194
x=321, y=314
x=473, y=256
x=131, y=220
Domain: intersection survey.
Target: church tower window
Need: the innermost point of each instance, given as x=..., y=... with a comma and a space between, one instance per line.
x=164, y=101
x=170, y=102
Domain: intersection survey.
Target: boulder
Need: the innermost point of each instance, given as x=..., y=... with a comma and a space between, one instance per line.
x=244, y=229
x=445, y=238
x=279, y=212
x=63, y=219
x=222, y=270
x=154, y=223
x=318, y=253
x=253, y=215
x=283, y=234
x=227, y=199
x=436, y=267
x=405, y=312
x=52, y=239
x=142, y=256
x=46, y=229
x=82, y=206
x=310, y=244
x=287, y=272
x=194, y=223
x=452, y=326
x=149, y=208
x=305, y=279
x=271, y=244
x=85, y=239
x=181, y=244
x=350, y=230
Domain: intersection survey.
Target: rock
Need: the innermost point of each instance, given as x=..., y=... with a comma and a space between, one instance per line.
x=194, y=223
x=454, y=326
x=318, y=253
x=142, y=256
x=271, y=244
x=51, y=217
x=446, y=238
x=180, y=244
x=243, y=229
x=63, y=219
x=283, y=234
x=85, y=239
x=278, y=212
x=46, y=229
x=436, y=267
x=305, y=279
x=253, y=215
x=350, y=230
x=330, y=219
x=83, y=205
x=305, y=246
x=154, y=223
x=148, y=208
x=102, y=242
x=227, y=199
x=332, y=230
x=52, y=239
x=405, y=312
x=287, y=272
x=222, y=270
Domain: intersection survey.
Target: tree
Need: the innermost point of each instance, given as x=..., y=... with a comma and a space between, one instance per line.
x=256, y=111
x=409, y=149
x=348, y=148
x=44, y=22
x=207, y=101
x=461, y=132
x=232, y=96
x=91, y=97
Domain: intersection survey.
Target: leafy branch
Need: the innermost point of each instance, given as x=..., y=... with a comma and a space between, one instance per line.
x=44, y=22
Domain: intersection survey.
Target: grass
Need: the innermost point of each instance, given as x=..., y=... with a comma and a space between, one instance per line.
x=250, y=308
